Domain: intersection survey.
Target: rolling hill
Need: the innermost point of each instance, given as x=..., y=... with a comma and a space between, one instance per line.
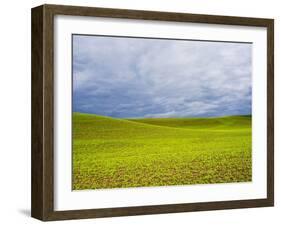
x=118, y=153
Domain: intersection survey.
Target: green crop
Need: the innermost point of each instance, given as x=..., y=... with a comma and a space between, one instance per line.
x=119, y=153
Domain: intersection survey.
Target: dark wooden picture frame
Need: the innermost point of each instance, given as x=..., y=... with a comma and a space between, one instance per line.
x=42, y=203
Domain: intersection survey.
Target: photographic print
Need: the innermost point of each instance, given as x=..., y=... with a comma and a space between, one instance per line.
x=160, y=112
x=147, y=112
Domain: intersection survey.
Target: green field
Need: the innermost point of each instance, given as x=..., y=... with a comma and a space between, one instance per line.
x=118, y=153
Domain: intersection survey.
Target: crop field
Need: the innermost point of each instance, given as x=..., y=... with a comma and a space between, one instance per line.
x=119, y=153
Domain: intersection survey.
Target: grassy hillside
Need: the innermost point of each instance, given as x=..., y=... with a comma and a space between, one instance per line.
x=111, y=153
x=219, y=123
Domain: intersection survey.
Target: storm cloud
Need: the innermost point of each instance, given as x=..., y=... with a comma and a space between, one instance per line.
x=137, y=77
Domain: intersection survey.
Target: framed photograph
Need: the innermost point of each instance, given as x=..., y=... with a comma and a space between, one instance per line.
x=142, y=112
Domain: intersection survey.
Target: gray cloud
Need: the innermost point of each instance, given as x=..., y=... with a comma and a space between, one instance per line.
x=134, y=77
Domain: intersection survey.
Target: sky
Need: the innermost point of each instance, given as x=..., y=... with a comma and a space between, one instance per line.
x=159, y=78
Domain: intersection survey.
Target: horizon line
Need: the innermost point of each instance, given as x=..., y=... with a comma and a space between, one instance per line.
x=182, y=117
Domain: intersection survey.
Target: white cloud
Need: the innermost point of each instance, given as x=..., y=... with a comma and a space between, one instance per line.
x=132, y=77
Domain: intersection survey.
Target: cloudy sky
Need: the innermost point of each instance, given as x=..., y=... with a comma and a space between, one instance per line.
x=135, y=77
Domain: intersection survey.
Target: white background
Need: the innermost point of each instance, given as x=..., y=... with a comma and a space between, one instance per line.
x=15, y=112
